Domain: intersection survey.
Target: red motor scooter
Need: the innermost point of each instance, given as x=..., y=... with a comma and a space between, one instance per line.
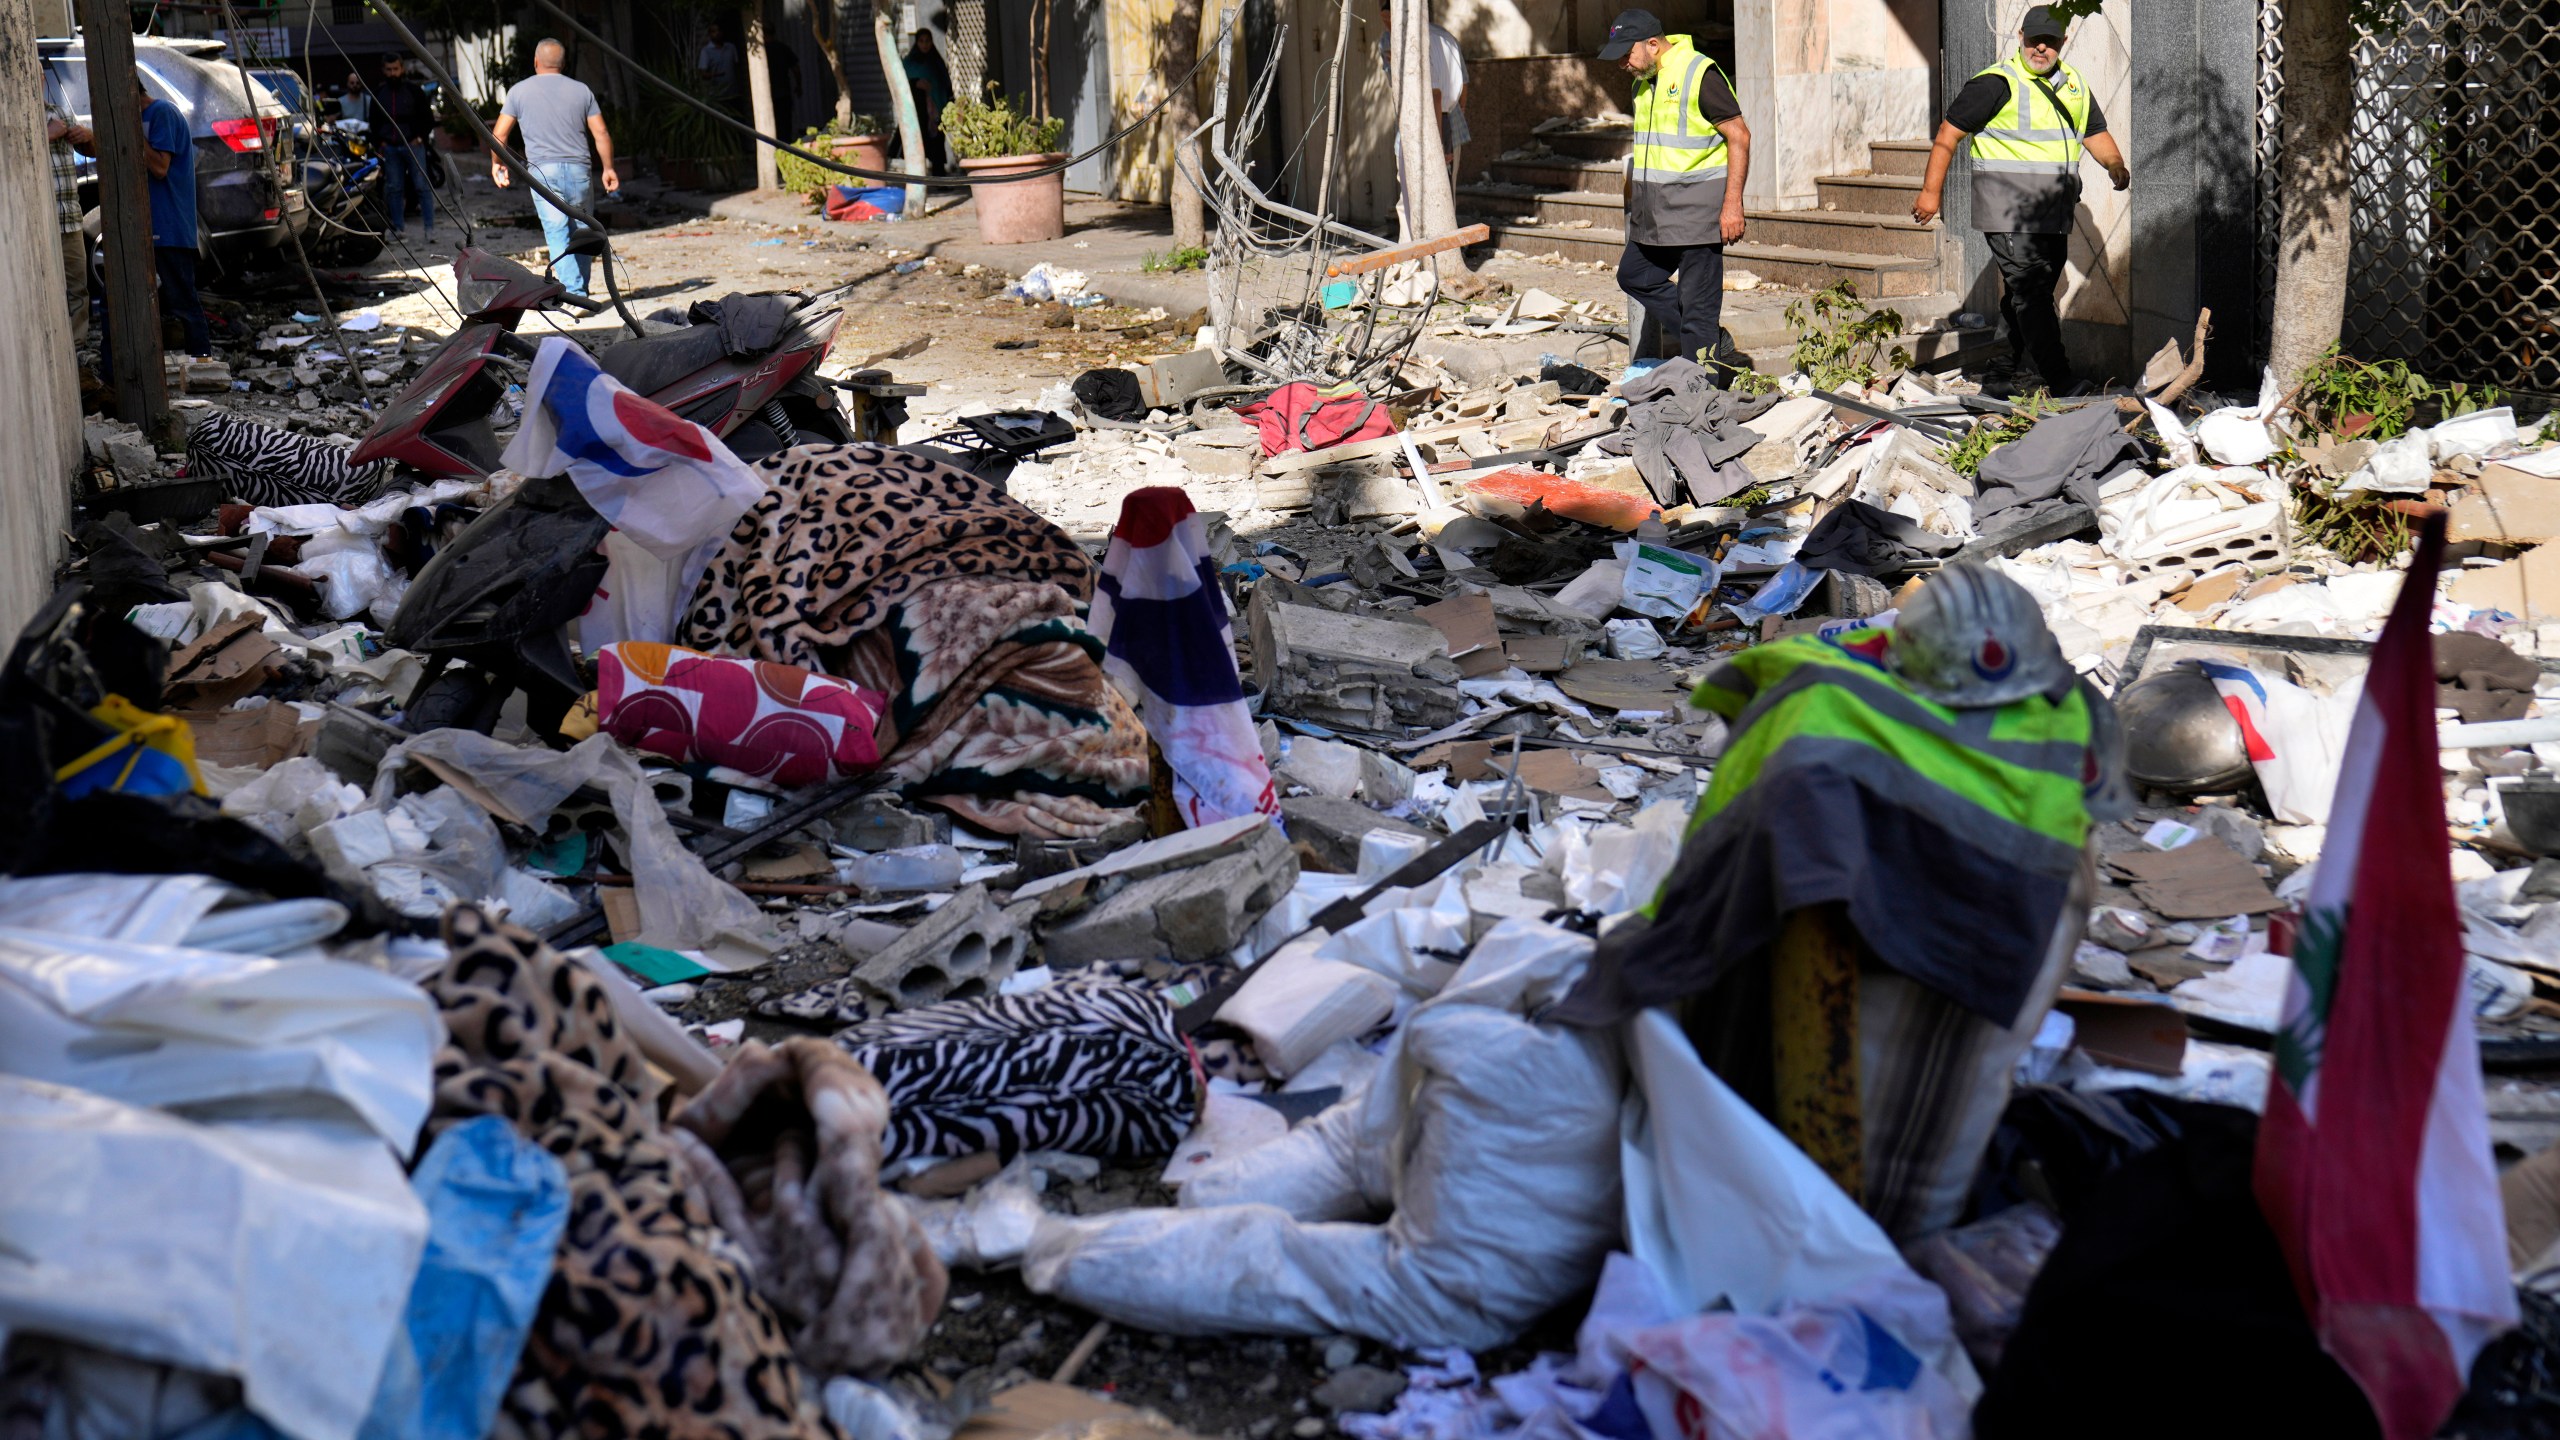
x=746, y=369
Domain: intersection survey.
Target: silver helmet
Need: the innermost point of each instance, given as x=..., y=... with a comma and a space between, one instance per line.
x=1973, y=638
x=2179, y=736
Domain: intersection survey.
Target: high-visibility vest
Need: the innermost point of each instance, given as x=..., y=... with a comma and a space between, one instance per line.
x=2026, y=162
x=2014, y=781
x=1676, y=173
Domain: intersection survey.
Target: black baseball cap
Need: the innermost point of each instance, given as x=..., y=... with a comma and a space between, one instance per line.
x=1630, y=27
x=2040, y=25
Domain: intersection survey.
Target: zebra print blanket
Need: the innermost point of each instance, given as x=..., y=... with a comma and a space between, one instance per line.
x=267, y=466
x=1090, y=1065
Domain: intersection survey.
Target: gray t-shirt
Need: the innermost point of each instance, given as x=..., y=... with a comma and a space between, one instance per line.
x=552, y=111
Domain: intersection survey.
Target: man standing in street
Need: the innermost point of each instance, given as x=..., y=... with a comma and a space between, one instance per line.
x=557, y=115
x=66, y=140
x=716, y=64
x=1684, y=183
x=169, y=154
x=403, y=124
x=2029, y=117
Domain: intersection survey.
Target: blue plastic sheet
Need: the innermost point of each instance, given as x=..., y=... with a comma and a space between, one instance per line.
x=496, y=1206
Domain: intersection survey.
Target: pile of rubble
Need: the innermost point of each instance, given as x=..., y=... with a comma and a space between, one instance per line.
x=1287, y=983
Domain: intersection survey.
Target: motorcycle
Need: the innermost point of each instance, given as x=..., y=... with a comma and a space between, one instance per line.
x=343, y=179
x=491, y=613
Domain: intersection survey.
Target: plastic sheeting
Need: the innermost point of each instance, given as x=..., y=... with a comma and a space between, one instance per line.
x=496, y=1206
x=1723, y=1209
x=1490, y=1137
x=683, y=906
x=163, y=1025
x=276, y=1252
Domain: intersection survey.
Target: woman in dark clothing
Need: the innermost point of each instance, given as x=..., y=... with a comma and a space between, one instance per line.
x=930, y=80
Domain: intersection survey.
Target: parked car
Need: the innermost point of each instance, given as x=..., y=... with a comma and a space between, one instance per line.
x=247, y=202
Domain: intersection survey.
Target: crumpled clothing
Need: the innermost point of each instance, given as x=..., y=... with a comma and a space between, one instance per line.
x=2060, y=461
x=1169, y=645
x=269, y=465
x=652, y=1323
x=1298, y=416
x=786, y=1147
x=749, y=324
x=1683, y=429
x=1867, y=540
x=1112, y=393
x=2481, y=679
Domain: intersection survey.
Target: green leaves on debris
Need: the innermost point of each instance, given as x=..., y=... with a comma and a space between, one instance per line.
x=1840, y=341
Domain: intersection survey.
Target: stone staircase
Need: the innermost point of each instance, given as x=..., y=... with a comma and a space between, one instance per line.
x=1572, y=203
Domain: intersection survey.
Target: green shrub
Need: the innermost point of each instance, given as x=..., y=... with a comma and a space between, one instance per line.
x=990, y=129
x=801, y=177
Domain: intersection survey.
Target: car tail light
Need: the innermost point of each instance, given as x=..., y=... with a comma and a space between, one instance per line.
x=269, y=214
x=241, y=135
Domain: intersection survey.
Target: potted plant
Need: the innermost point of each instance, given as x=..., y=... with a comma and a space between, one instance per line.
x=993, y=142
x=861, y=141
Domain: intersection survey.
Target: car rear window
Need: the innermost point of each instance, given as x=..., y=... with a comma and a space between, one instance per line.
x=203, y=92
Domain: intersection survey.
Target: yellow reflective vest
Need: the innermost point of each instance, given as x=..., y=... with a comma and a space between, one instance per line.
x=1675, y=175
x=2026, y=162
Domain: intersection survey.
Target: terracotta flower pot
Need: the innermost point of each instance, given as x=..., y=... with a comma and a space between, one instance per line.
x=870, y=152
x=1024, y=211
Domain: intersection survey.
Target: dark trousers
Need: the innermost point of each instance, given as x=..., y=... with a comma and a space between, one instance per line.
x=2030, y=275
x=1688, y=310
x=404, y=169
x=178, y=298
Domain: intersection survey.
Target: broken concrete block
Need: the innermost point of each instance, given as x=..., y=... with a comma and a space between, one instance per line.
x=965, y=949
x=879, y=822
x=1331, y=828
x=1782, y=427
x=1198, y=913
x=1174, y=852
x=1353, y=671
x=1903, y=461
x=1166, y=383
x=1384, y=780
x=1213, y=459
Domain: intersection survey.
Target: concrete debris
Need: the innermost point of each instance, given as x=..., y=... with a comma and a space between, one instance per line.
x=968, y=946
x=1201, y=912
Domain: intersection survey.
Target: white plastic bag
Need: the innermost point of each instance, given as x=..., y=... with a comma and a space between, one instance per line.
x=161, y=1025
x=2239, y=435
x=1489, y=1136
x=279, y=1252
x=1662, y=582
x=1831, y=1369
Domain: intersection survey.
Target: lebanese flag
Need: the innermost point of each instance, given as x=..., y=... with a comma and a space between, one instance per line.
x=2388, y=1212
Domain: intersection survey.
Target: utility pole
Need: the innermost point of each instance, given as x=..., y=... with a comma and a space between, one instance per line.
x=124, y=213
x=760, y=98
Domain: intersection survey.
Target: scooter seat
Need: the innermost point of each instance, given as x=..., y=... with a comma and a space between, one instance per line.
x=651, y=363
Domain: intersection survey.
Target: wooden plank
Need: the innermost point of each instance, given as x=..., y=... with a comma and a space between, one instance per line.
x=124, y=205
x=1381, y=259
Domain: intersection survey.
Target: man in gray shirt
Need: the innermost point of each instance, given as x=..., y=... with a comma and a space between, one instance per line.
x=558, y=115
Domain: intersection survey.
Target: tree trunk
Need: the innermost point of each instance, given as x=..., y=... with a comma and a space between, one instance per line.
x=884, y=33
x=1425, y=204
x=760, y=98
x=2313, y=243
x=1181, y=117
x=822, y=24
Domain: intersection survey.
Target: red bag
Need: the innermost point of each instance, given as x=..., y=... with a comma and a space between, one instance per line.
x=1298, y=416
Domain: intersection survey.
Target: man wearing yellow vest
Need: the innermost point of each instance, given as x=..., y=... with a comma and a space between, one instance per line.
x=1684, y=182
x=2030, y=116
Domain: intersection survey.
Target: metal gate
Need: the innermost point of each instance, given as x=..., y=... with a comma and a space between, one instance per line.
x=2455, y=266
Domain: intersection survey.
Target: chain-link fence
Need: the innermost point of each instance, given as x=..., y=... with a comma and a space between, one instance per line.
x=2456, y=136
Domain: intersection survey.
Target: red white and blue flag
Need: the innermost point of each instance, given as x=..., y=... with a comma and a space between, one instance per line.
x=669, y=487
x=2373, y=1162
x=1170, y=648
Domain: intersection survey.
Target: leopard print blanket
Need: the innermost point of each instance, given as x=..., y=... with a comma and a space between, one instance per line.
x=931, y=586
x=652, y=1324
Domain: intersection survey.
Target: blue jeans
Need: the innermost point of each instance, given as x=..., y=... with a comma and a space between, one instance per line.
x=576, y=184
x=405, y=167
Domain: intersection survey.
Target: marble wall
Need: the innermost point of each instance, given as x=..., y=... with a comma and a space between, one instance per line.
x=1819, y=79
